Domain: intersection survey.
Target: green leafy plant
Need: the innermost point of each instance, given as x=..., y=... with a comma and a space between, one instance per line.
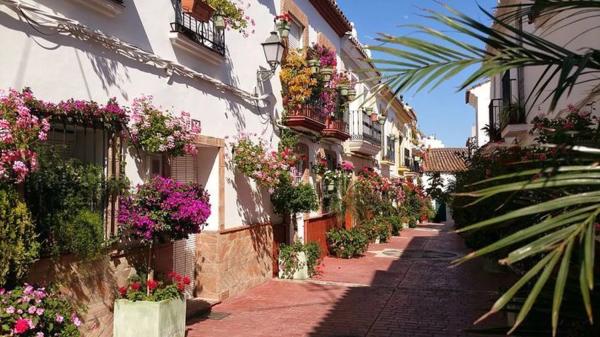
x=347, y=243
x=32, y=312
x=19, y=246
x=66, y=201
x=288, y=198
x=288, y=255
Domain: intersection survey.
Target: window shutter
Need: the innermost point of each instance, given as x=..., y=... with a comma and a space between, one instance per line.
x=295, y=36
x=185, y=169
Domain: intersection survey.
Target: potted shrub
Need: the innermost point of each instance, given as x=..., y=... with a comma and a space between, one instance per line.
x=151, y=308
x=198, y=9
x=345, y=243
x=298, y=261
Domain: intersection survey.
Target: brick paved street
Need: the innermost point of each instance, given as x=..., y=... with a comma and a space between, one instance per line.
x=401, y=288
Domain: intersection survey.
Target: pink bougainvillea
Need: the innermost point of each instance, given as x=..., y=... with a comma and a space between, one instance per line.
x=164, y=209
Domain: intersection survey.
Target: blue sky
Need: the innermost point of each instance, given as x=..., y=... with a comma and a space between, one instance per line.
x=443, y=111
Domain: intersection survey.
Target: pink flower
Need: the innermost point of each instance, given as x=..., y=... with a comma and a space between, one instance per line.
x=10, y=310
x=75, y=320
x=59, y=318
x=31, y=310
x=21, y=326
x=39, y=311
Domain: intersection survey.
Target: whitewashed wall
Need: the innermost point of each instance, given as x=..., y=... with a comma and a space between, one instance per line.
x=58, y=67
x=579, y=35
x=481, y=105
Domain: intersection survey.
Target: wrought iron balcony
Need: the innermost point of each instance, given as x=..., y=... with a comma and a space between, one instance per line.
x=308, y=117
x=202, y=33
x=336, y=128
x=365, y=134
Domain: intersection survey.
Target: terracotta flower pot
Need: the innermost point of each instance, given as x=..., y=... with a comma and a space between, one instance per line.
x=198, y=9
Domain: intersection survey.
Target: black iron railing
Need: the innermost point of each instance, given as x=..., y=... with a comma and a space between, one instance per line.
x=203, y=33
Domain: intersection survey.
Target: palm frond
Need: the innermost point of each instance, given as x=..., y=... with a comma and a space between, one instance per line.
x=438, y=57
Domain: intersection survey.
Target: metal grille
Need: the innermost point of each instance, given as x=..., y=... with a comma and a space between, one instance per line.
x=203, y=33
x=362, y=128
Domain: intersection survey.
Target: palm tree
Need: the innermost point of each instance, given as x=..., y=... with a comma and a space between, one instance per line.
x=563, y=240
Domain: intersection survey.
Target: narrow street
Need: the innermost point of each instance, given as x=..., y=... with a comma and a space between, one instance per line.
x=402, y=288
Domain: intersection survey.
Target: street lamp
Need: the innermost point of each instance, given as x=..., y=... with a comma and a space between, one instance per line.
x=273, y=48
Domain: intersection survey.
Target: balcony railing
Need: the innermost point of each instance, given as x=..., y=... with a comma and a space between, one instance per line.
x=336, y=128
x=203, y=33
x=308, y=116
x=362, y=128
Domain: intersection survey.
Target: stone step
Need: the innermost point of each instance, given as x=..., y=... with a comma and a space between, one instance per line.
x=197, y=307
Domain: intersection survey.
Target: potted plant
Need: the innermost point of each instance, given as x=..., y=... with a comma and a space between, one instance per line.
x=219, y=21
x=228, y=13
x=155, y=131
x=162, y=210
x=351, y=93
x=326, y=73
x=151, y=308
x=343, y=89
x=198, y=9
x=314, y=65
x=298, y=261
x=283, y=25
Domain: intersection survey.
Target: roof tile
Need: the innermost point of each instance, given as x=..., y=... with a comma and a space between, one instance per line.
x=444, y=160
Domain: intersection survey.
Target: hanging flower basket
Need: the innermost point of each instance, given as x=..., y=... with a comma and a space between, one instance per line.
x=343, y=89
x=326, y=72
x=351, y=94
x=198, y=9
x=283, y=27
x=219, y=21
x=314, y=65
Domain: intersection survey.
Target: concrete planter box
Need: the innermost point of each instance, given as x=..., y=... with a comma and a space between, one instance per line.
x=149, y=319
x=301, y=273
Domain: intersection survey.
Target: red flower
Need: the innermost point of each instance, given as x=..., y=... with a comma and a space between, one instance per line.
x=180, y=286
x=21, y=325
x=172, y=275
x=135, y=286
x=178, y=278
x=152, y=284
x=186, y=280
x=123, y=291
